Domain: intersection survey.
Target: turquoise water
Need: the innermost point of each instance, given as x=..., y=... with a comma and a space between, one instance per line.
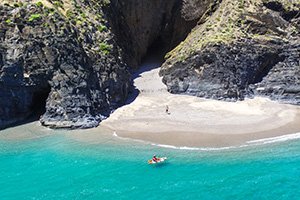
x=58, y=167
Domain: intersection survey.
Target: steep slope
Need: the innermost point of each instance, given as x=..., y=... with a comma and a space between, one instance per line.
x=67, y=56
x=245, y=47
x=68, y=60
x=142, y=24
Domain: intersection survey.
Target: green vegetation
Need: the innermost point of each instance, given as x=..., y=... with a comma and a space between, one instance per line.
x=8, y=21
x=78, y=22
x=51, y=10
x=34, y=17
x=46, y=25
x=231, y=21
x=69, y=13
x=104, y=48
x=106, y=2
x=221, y=27
x=58, y=4
x=102, y=28
x=19, y=4
x=83, y=15
x=39, y=4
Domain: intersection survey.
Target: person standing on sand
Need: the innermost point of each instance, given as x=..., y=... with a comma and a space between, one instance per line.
x=167, y=109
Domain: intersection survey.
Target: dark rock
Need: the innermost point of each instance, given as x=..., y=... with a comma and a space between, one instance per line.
x=73, y=68
x=142, y=23
x=221, y=71
x=283, y=81
x=253, y=52
x=44, y=60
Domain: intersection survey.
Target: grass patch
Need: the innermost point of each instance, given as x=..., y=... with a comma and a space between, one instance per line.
x=102, y=28
x=39, y=4
x=8, y=21
x=34, y=17
x=104, y=48
x=58, y=4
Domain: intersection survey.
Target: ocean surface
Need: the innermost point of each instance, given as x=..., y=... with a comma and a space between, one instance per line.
x=57, y=166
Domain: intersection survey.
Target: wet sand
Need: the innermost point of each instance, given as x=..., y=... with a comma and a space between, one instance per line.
x=26, y=131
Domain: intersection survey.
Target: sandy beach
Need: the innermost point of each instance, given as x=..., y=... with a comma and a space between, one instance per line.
x=189, y=122
x=192, y=121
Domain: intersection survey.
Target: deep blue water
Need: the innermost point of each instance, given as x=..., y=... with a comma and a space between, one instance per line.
x=58, y=167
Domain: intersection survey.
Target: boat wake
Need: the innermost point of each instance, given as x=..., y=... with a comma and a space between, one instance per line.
x=250, y=143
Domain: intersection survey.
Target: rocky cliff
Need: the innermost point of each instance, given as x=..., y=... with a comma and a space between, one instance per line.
x=65, y=57
x=71, y=60
x=142, y=24
x=241, y=49
x=68, y=60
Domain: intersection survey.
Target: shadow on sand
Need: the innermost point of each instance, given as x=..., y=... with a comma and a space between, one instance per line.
x=35, y=116
x=151, y=61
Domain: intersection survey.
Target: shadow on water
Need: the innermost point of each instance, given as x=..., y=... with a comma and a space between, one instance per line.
x=161, y=165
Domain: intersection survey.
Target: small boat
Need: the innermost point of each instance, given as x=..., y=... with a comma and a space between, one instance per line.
x=160, y=160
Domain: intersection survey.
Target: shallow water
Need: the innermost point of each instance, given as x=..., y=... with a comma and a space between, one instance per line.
x=58, y=167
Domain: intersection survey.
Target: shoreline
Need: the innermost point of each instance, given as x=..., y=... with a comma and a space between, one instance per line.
x=190, y=122
x=197, y=122
x=150, y=130
x=186, y=140
x=202, y=140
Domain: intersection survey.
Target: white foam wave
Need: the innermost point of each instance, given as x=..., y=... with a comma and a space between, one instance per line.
x=197, y=148
x=276, y=139
x=115, y=134
x=282, y=138
x=131, y=139
x=165, y=146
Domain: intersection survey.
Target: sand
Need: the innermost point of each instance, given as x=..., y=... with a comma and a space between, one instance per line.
x=194, y=121
x=190, y=121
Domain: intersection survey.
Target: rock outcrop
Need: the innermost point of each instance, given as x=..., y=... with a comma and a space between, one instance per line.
x=282, y=83
x=71, y=57
x=71, y=60
x=244, y=48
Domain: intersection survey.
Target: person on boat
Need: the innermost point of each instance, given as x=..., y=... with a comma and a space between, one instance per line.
x=155, y=159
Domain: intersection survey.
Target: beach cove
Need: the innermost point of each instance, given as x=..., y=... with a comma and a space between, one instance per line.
x=258, y=157
x=91, y=91
x=154, y=116
x=195, y=122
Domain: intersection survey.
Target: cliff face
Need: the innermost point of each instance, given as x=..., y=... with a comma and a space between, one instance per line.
x=142, y=23
x=71, y=60
x=243, y=48
x=68, y=59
